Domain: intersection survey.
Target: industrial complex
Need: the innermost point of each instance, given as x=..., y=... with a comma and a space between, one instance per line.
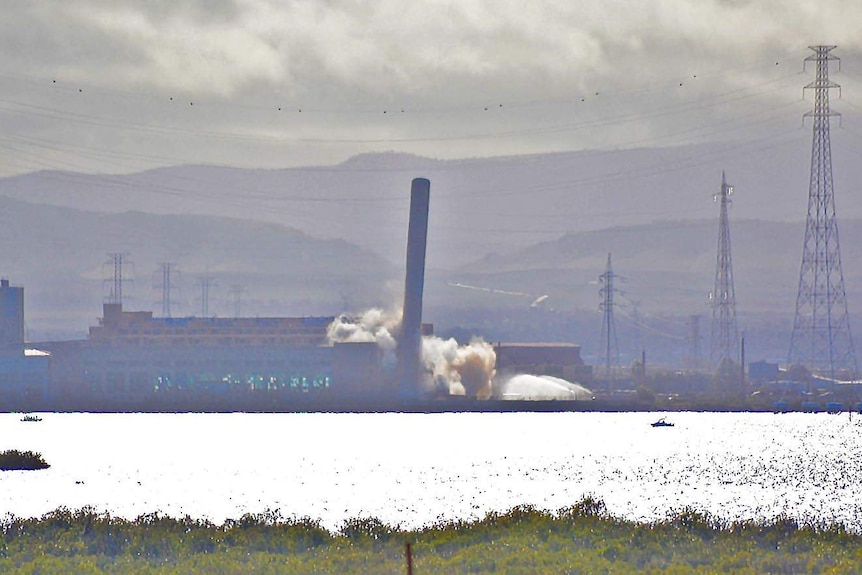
x=134, y=361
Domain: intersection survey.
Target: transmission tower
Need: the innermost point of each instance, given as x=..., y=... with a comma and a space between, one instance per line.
x=236, y=291
x=205, y=282
x=116, y=280
x=821, y=339
x=609, y=349
x=164, y=280
x=723, y=334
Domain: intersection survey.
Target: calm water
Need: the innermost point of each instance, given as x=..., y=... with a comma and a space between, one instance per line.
x=411, y=469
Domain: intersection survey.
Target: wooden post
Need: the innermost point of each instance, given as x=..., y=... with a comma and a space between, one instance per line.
x=409, y=554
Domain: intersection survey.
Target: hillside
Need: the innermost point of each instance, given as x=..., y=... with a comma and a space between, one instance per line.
x=478, y=206
x=666, y=271
x=668, y=267
x=58, y=254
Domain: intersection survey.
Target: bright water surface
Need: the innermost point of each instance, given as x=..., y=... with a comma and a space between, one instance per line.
x=413, y=469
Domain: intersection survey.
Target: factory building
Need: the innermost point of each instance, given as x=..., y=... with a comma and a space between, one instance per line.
x=23, y=372
x=120, y=328
x=134, y=361
x=11, y=320
x=556, y=359
x=132, y=354
x=357, y=370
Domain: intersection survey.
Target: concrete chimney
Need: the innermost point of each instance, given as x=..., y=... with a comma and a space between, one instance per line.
x=410, y=342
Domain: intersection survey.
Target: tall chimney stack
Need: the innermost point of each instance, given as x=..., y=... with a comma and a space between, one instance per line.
x=410, y=342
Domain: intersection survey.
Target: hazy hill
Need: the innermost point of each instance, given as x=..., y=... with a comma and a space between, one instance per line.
x=667, y=267
x=58, y=254
x=536, y=225
x=478, y=206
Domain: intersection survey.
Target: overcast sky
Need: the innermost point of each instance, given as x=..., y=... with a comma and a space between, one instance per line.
x=120, y=86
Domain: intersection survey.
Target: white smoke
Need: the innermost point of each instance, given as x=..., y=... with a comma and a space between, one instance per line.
x=372, y=325
x=538, y=387
x=460, y=369
x=452, y=368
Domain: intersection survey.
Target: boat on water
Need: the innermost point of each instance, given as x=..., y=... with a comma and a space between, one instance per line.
x=661, y=423
x=31, y=418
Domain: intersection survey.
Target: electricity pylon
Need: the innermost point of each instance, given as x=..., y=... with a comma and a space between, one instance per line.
x=821, y=339
x=164, y=279
x=116, y=280
x=609, y=348
x=723, y=336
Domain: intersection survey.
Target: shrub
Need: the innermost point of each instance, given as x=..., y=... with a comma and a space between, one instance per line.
x=13, y=459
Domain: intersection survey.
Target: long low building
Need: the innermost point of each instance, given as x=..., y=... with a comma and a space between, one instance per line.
x=133, y=353
x=134, y=361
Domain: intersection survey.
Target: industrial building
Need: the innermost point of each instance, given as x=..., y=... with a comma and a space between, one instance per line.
x=11, y=319
x=561, y=360
x=23, y=372
x=131, y=355
x=134, y=361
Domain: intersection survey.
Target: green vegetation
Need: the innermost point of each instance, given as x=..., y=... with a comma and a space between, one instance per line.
x=13, y=459
x=580, y=539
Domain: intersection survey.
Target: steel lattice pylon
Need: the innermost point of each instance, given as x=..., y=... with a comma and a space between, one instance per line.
x=609, y=348
x=821, y=339
x=724, y=336
x=116, y=280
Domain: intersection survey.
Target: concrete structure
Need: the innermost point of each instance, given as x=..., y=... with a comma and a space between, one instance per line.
x=24, y=381
x=133, y=354
x=763, y=370
x=356, y=370
x=410, y=340
x=139, y=328
x=557, y=359
x=23, y=372
x=11, y=320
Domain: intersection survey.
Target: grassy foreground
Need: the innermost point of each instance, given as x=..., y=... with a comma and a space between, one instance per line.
x=580, y=539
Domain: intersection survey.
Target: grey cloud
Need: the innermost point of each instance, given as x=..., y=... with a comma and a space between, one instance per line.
x=445, y=61
x=391, y=45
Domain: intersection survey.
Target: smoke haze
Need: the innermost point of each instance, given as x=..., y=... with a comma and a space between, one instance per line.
x=453, y=369
x=460, y=369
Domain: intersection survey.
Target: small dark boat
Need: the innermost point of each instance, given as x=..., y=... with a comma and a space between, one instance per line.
x=31, y=418
x=661, y=423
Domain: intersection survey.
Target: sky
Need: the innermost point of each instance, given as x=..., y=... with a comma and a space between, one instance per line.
x=119, y=86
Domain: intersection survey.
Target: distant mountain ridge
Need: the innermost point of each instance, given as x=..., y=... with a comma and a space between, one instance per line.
x=320, y=240
x=668, y=267
x=58, y=254
x=478, y=205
